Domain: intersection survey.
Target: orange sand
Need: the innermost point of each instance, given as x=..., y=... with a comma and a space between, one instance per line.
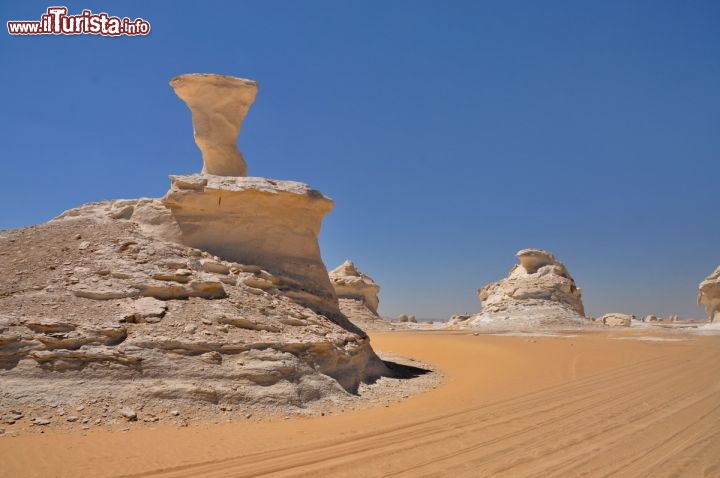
x=587, y=405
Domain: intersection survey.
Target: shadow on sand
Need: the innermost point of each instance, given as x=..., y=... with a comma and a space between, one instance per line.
x=405, y=371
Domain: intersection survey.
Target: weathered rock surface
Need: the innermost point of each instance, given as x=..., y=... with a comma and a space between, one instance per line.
x=358, y=296
x=274, y=224
x=219, y=105
x=709, y=295
x=538, y=292
x=214, y=295
x=147, y=343
x=350, y=283
x=616, y=319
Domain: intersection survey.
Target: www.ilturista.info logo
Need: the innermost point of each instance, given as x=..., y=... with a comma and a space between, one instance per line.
x=57, y=22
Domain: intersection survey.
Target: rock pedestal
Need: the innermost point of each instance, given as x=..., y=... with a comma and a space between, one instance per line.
x=270, y=223
x=273, y=224
x=219, y=105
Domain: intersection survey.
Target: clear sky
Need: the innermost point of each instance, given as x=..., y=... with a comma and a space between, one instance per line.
x=450, y=134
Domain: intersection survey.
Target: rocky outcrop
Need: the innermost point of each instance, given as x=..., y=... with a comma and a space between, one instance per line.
x=538, y=292
x=219, y=105
x=350, y=283
x=709, y=295
x=215, y=295
x=271, y=223
x=616, y=319
x=358, y=296
x=651, y=318
x=64, y=336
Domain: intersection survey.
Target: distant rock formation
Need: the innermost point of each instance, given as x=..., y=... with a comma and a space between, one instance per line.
x=215, y=294
x=616, y=319
x=709, y=295
x=538, y=292
x=358, y=296
x=350, y=283
x=651, y=318
x=407, y=318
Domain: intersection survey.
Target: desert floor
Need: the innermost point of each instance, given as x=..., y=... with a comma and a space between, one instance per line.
x=596, y=404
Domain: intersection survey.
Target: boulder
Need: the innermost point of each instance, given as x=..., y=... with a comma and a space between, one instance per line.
x=709, y=295
x=406, y=318
x=617, y=320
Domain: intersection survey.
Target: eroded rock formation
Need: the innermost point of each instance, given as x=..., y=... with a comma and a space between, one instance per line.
x=215, y=295
x=709, y=295
x=219, y=105
x=351, y=283
x=358, y=296
x=616, y=319
x=99, y=309
x=271, y=223
x=538, y=292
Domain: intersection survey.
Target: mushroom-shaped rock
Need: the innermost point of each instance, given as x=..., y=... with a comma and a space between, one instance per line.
x=351, y=283
x=539, y=291
x=218, y=104
x=709, y=295
x=214, y=295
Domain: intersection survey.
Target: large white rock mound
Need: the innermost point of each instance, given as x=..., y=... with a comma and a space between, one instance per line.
x=538, y=292
x=358, y=296
x=709, y=295
x=214, y=296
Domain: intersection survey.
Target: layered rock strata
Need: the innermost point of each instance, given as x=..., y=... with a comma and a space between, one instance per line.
x=96, y=308
x=271, y=223
x=215, y=295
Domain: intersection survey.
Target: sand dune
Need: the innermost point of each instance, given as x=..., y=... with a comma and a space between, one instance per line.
x=510, y=406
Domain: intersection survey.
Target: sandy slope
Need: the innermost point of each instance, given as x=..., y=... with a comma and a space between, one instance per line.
x=511, y=406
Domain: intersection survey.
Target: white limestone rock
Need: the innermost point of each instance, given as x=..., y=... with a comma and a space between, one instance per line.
x=351, y=283
x=219, y=105
x=709, y=295
x=538, y=292
x=215, y=294
x=274, y=224
x=358, y=296
x=616, y=319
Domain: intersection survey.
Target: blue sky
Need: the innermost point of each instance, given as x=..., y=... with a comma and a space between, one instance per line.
x=449, y=134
